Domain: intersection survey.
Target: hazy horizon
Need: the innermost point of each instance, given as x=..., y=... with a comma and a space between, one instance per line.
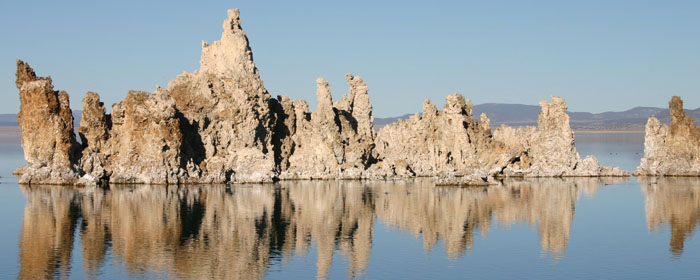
x=600, y=56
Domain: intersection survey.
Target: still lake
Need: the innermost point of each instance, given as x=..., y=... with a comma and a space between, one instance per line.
x=592, y=228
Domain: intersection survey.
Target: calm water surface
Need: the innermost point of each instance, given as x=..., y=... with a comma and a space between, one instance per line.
x=533, y=229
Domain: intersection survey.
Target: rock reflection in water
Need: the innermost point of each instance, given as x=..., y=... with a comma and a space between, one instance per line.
x=673, y=201
x=453, y=214
x=219, y=231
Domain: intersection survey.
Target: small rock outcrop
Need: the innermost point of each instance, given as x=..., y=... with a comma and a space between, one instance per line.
x=671, y=150
x=220, y=125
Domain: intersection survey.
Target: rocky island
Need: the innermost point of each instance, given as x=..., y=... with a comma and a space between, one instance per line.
x=671, y=150
x=220, y=125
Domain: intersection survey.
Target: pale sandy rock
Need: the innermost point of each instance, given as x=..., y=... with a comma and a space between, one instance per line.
x=145, y=140
x=548, y=150
x=458, y=150
x=336, y=141
x=447, y=142
x=46, y=123
x=671, y=150
x=225, y=113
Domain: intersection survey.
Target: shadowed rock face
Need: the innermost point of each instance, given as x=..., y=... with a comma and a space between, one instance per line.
x=219, y=124
x=673, y=149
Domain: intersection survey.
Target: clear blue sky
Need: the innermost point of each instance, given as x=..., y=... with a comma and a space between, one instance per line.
x=599, y=55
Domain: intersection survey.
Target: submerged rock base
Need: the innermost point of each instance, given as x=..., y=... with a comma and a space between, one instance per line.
x=220, y=125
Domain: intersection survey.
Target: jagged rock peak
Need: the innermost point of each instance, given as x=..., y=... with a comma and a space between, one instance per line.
x=231, y=56
x=25, y=73
x=680, y=122
x=361, y=107
x=324, y=101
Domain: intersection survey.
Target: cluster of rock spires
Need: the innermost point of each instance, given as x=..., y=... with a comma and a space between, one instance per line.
x=220, y=125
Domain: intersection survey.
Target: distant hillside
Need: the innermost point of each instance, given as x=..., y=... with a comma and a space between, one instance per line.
x=520, y=115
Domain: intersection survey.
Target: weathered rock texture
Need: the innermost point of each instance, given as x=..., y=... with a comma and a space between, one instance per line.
x=548, y=150
x=46, y=122
x=336, y=141
x=452, y=145
x=219, y=124
x=671, y=150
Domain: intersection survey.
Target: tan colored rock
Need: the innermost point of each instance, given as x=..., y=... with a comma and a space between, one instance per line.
x=94, y=135
x=671, y=150
x=46, y=123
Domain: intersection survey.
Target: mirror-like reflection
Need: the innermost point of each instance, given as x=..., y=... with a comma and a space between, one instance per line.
x=672, y=201
x=453, y=215
x=219, y=231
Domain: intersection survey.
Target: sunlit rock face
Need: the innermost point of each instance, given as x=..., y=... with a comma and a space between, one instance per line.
x=673, y=149
x=46, y=122
x=335, y=141
x=225, y=232
x=457, y=149
x=442, y=141
x=672, y=202
x=219, y=124
x=226, y=118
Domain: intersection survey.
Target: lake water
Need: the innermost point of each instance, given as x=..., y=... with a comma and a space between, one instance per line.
x=588, y=228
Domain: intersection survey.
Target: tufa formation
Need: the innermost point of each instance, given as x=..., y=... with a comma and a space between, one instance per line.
x=220, y=125
x=671, y=150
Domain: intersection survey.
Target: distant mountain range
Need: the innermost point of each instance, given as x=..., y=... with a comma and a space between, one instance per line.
x=521, y=115
x=11, y=119
x=517, y=115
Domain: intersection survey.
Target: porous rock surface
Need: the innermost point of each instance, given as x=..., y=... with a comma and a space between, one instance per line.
x=46, y=123
x=671, y=150
x=459, y=150
x=219, y=124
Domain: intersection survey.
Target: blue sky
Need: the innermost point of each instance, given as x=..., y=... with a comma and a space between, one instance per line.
x=599, y=55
